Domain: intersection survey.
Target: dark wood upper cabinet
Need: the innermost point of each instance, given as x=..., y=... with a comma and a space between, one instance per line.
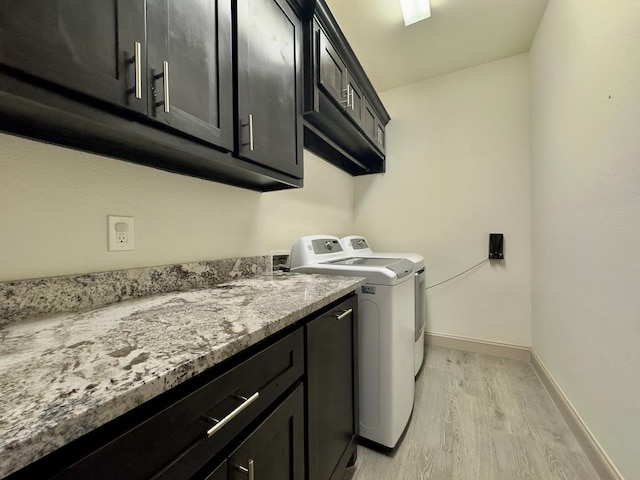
x=208, y=88
x=189, y=68
x=373, y=127
x=269, y=62
x=343, y=114
x=87, y=46
x=332, y=72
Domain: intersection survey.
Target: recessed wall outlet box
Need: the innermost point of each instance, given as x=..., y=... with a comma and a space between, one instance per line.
x=496, y=246
x=120, y=233
x=279, y=260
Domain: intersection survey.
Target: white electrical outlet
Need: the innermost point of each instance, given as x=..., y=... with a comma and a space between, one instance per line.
x=120, y=233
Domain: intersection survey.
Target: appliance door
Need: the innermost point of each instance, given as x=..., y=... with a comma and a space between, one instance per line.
x=421, y=301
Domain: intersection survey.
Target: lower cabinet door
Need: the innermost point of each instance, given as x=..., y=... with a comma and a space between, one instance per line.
x=332, y=390
x=275, y=450
x=220, y=473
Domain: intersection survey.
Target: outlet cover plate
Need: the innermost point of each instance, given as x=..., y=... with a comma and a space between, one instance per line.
x=120, y=237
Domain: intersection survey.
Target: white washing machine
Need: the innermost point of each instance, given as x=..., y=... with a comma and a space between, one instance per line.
x=385, y=331
x=358, y=245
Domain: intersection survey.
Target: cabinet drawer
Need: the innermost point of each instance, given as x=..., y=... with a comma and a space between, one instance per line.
x=179, y=432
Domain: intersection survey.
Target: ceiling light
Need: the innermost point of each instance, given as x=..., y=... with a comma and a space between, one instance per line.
x=414, y=10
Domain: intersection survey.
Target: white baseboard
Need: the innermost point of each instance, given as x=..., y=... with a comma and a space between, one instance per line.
x=475, y=345
x=593, y=450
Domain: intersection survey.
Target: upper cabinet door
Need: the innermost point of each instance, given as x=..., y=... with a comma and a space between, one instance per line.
x=370, y=121
x=269, y=63
x=332, y=71
x=355, y=101
x=372, y=125
x=189, y=70
x=380, y=136
x=95, y=47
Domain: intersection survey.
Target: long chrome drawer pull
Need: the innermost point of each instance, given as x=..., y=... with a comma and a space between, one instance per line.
x=221, y=423
x=250, y=125
x=344, y=314
x=165, y=72
x=138, y=68
x=249, y=471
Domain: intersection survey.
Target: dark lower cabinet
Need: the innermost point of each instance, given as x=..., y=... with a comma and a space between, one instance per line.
x=269, y=62
x=275, y=450
x=87, y=46
x=221, y=473
x=256, y=417
x=332, y=391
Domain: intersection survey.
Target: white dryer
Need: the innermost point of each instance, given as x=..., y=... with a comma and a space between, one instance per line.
x=385, y=331
x=358, y=245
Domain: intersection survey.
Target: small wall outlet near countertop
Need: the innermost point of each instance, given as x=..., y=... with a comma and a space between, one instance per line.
x=120, y=233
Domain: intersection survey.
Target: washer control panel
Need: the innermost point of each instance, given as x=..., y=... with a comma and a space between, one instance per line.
x=326, y=245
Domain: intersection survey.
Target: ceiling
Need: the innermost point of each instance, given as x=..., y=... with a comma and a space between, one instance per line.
x=459, y=34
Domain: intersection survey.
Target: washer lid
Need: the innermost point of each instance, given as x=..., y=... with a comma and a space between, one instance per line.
x=400, y=266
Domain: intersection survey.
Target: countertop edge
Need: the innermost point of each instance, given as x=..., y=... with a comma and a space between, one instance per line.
x=49, y=438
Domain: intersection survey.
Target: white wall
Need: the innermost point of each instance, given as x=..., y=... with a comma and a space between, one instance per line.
x=586, y=214
x=55, y=202
x=458, y=169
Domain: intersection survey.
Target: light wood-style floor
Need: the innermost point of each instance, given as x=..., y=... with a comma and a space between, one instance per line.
x=478, y=417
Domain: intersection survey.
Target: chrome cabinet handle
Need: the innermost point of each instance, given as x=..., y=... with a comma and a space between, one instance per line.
x=165, y=76
x=251, y=132
x=344, y=314
x=352, y=102
x=137, y=67
x=249, y=469
x=221, y=423
x=345, y=102
x=165, y=73
x=250, y=125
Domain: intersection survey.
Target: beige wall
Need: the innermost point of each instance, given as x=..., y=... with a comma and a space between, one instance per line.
x=458, y=169
x=55, y=202
x=586, y=214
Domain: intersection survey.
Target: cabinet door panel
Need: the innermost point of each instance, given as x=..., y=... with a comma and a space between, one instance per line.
x=83, y=45
x=370, y=121
x=269, y=85
x=196, y=44
x=331, y=378
x=276, y=448
x=380, y=136
x=332, y=71
x=220, y=473
x=355, y=104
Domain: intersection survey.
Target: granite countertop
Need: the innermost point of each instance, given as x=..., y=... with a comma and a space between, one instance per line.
x=64, y=375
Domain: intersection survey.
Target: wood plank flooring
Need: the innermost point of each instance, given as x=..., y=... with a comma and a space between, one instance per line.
x=478, y=417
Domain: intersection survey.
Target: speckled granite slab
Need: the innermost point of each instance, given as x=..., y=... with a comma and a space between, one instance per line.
x=65, y=375
x=34, y=298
